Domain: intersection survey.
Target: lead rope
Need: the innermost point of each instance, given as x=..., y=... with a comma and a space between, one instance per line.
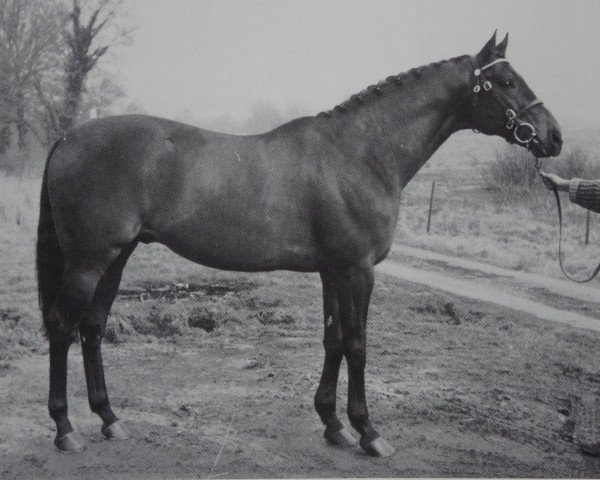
x=560, y=261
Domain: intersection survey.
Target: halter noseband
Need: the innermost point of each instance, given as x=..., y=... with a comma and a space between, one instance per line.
x=513, y=123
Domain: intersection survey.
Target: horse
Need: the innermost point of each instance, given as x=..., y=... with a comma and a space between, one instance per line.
x=318, y=194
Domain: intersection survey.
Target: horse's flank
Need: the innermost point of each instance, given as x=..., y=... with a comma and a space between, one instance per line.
x=315, y=192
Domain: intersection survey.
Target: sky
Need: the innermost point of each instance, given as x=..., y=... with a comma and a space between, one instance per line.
x=213, y=58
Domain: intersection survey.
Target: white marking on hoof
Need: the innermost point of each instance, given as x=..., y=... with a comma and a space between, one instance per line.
x=377, y=447
x=115, y=431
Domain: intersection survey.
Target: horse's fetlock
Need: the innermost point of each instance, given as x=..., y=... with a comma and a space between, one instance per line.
x=324, y=401
x=101, y=407
x=57, y=409
x=359, y=417
x=358, y=411
x=99, y=404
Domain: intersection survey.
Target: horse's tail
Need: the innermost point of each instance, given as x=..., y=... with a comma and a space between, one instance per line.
x=49, y=257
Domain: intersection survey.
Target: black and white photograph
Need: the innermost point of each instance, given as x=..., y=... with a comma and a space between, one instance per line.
x=299, y=239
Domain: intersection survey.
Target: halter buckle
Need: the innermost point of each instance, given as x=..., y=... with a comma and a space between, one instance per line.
x=487, y=85
x=477, y=88
x=511, y=114
x=510, y=124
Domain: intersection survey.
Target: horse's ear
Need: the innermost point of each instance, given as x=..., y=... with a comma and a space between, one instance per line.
x=501, y=47
x=486, y=52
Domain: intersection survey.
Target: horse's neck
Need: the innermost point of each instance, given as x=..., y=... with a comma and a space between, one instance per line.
x=421, y=139
x=404, y=126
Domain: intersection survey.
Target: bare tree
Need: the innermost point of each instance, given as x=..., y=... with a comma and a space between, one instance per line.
x=48, y=49
x=101, y=93
x=93, y=29
x=29, y=49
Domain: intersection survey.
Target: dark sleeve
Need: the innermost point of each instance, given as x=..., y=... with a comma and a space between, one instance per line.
x=585, y=193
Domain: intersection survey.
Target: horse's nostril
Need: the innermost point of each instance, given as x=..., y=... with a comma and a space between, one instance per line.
x=557, y=137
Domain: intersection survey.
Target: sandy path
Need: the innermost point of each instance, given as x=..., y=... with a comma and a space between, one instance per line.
x=515, y=290
x=584, y=292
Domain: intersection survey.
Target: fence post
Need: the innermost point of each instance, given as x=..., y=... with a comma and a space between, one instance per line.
x=587, y=227
x=430, y=206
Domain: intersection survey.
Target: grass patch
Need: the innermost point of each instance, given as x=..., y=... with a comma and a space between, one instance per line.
x=495, y=209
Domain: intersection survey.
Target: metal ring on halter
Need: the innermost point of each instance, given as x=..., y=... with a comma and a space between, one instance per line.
x=487, y=85
x=532, y=133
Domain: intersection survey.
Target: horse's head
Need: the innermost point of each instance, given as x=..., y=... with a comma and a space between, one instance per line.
x=502, y=104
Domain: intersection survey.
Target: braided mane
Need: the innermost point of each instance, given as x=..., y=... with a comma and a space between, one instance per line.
x=375, y=91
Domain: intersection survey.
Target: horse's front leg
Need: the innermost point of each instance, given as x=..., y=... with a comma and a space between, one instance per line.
x=353, y=287
x=325, y=398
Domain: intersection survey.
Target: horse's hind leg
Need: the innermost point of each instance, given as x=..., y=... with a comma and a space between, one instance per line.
x=325, y=398
x=92, y=329
x=77, y=287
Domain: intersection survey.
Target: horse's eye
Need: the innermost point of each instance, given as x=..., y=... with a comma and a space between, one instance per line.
x=508, y=83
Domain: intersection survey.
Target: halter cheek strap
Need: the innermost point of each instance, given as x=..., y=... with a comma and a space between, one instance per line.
x=513, y=118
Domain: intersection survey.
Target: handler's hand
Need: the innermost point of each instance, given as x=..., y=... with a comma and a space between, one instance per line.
x=550, y=180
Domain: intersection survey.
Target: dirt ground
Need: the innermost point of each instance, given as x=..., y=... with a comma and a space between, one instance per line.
x=459, y=387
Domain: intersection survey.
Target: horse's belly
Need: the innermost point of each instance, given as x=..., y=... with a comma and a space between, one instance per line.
x=231, y=247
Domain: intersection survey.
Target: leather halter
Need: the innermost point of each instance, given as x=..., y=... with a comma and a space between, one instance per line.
x=514, y=122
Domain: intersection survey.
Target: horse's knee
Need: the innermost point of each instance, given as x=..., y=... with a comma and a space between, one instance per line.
x=332, y=339
x=333, y=347
x=355, y=352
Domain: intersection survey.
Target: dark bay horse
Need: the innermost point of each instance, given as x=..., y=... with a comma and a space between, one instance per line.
x=318, y=194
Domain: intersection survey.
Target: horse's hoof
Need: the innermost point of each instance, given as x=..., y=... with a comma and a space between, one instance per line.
x=340, y=438
x=115, y=431
x=70, y=442
x=377, y=447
